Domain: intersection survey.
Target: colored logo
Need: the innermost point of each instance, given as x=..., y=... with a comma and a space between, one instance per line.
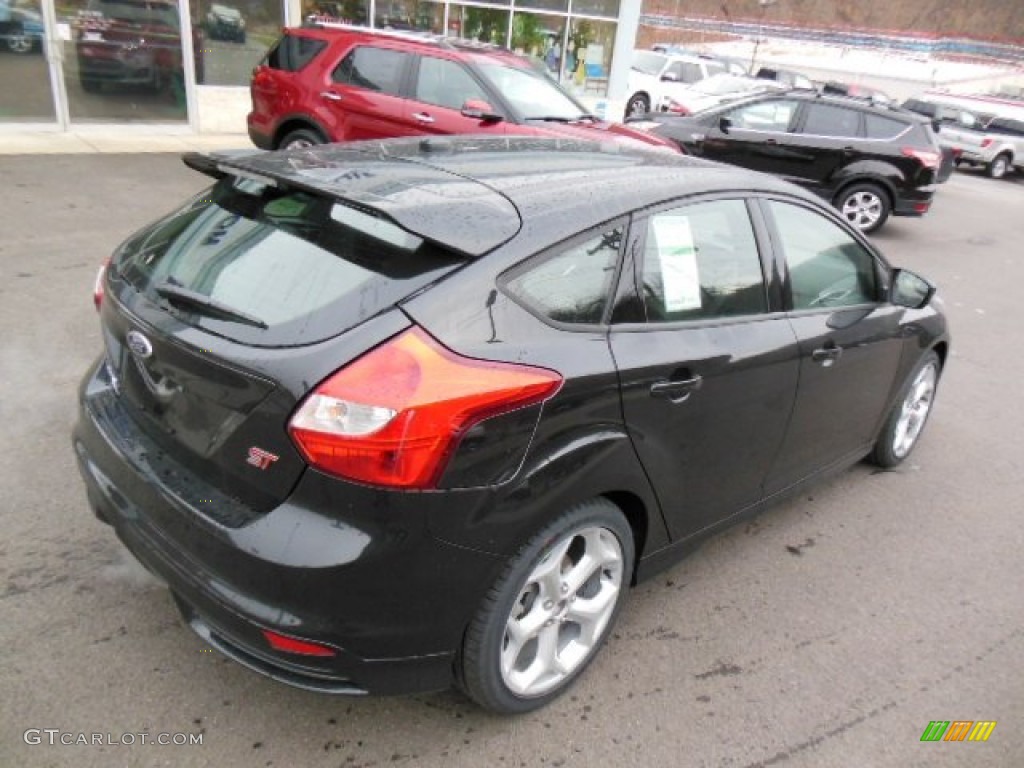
x=260, y=458
x=958, y=730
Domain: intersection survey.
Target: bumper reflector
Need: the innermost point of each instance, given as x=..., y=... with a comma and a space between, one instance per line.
x=292, y=645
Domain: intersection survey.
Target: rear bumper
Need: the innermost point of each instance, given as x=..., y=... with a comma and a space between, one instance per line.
x=913, y=202
x=369, y=583
x=259, y=138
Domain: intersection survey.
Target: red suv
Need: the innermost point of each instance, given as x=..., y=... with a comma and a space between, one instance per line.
x=321, y=84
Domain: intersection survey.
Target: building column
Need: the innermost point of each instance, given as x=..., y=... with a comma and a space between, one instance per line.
x=622, y=53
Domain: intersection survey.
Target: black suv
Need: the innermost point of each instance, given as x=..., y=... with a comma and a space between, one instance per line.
x=869, y=161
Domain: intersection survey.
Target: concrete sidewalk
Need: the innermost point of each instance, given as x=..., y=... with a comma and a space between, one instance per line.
x=115, y=140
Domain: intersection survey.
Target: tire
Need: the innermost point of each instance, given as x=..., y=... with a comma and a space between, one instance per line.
x=637, y=106
x=907, y=420
x=866, y=206
x=587, y=553
x=301, y=139
x=999, y=166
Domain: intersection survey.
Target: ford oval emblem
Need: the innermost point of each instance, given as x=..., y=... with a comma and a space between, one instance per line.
x=139, y=344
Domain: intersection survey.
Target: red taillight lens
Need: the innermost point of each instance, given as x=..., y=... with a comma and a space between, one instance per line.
x=926, y=158
x=676, y=108
x=294, y=645
x=986, y=142
x=97, y=288
x=394, y=416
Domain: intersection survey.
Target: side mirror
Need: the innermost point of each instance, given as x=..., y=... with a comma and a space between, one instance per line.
x=724, y=124
x=476, y=109
x=910, y=290
x=670, y=77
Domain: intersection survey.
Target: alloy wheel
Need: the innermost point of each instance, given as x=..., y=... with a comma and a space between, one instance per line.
x=561, y=612
x=914, y=412
x=863, y=209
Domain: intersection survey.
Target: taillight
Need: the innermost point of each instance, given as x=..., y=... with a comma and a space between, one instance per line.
x=927, y=158
x=676, y=108
x=97, y=288
x=394, y=416
x=288, y=644
x=986, y=142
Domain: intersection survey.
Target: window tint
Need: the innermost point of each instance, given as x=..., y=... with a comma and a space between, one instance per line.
x=293, y=52
x=306, y=266
x=377, y=69
x=445, y=83
x=571, y=286
x=772, y=115
x=882, y=127
x=829, y=120
x=827, y=267
x=701, y=261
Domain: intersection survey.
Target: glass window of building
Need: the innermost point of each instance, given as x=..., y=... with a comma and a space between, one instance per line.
x=24, y=78
x=234, y=37
x=588, y=59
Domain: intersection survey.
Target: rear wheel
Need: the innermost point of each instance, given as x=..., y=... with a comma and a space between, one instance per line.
x=865, y=206
x=301, y=139
x=550, y=611
x=906, y=421
x=998, y=167
x=18, y=41
x=638, y=105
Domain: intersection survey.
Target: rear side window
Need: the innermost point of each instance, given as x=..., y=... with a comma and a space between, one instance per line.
x=701, y=261
x=293, y=52
x=305, y=267
x=830, y=120
x=572, y=284
x=1006, y=127
x=376, y=69
x=879, y=127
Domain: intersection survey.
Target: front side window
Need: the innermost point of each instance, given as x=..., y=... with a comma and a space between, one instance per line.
x=827, y=267
x=445, y=83
x=772, y=115
x=701, y=261
x=376, y=69
x=829, y=120
x=572, y=285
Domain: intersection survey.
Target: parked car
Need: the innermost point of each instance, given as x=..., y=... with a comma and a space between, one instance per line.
x=342, y=83
x=994, y=143
x=712, y=91
x=654, y=75
x=869, y=161
x=21, y=29
x=786, y=77
x=392, y=415
x=132, y=43
x=733, y=65
x=223, y=22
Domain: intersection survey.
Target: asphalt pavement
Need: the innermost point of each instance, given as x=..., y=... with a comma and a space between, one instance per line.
x=826, y=633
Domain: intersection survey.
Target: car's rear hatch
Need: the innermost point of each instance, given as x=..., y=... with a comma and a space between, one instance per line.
x=220, y=317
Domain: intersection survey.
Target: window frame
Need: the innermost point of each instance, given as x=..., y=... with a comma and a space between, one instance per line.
x=883, y=270
x=413, y=73
x=630, y=284
x=557, y=249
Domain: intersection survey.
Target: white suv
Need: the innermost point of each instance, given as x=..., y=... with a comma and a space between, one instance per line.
x=654, y=75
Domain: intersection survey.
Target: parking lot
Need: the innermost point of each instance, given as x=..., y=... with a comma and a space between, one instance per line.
x=827, y=632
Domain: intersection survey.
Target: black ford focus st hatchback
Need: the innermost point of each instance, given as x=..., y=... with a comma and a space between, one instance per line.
x=393, y=415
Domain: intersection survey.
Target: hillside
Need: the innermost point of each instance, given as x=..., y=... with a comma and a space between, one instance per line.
x=1001, y=20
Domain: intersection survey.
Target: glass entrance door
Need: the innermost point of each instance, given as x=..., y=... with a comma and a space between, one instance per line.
x=123, y=61
x=25, y=91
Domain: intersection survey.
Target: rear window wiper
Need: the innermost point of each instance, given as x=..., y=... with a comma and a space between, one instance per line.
x=206, y=305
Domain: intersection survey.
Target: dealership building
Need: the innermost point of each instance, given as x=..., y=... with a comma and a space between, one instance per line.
x=185, y=65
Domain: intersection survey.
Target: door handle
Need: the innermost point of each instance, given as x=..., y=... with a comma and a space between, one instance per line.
x=677, y=391
x=826, y=356
x=331, y=95
x=423, y=117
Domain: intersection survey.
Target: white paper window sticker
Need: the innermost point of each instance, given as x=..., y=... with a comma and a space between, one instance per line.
x=677, y=257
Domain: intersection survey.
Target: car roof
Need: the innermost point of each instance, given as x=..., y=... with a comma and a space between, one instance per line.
x=472, y=194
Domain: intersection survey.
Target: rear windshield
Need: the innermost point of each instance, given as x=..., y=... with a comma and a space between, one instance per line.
x=293, y=52
x=295, y=267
